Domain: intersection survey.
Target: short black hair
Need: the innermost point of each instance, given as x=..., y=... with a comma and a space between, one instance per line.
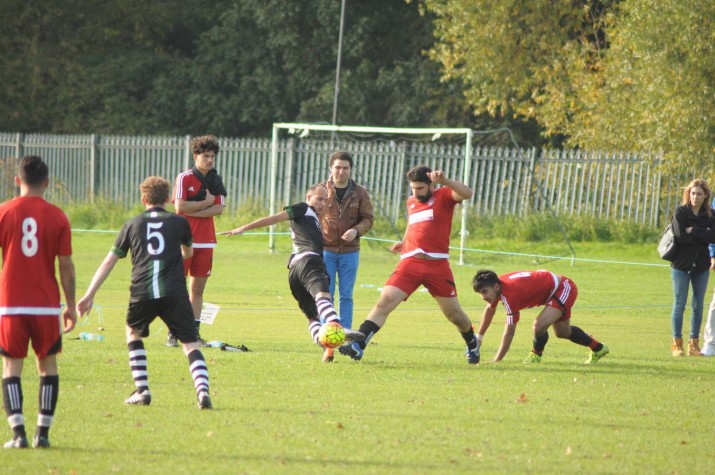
x=32, y=170
x=419, y=173
x=484, y=278
x=341, y=155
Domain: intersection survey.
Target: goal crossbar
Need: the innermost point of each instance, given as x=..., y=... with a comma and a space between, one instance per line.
x=293, y=127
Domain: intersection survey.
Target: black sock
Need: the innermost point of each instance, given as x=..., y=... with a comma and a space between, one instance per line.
x=540, y=343
x=12, y=400
x=580, y=337
x=49, y=389
x=368, y=329
x=470, y=339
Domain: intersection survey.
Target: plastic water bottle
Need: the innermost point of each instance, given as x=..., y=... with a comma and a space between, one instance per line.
x=90, y=336
x=215, y=344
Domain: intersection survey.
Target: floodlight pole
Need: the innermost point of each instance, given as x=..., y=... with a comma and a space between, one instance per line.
x=337, y=70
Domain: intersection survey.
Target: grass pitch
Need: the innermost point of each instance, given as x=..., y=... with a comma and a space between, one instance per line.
x=412, y=405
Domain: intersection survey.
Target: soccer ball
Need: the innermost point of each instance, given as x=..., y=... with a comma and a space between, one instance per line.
x=331, y=335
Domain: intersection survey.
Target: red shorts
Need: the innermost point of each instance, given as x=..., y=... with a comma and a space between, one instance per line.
x=16, y=331
x=564, y=298
x=434, y=274
x=199, y=265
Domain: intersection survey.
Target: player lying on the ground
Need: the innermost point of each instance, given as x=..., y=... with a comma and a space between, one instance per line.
x=526, y=289
x=424, y=259
x=159, y=242
x=307, y=277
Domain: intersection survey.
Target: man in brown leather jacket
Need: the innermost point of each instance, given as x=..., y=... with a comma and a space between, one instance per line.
x=347, y=216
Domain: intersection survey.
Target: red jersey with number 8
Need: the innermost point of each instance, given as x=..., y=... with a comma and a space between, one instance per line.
x=33, y=233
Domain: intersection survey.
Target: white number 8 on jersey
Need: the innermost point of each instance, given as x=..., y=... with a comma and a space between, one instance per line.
x=29, y=243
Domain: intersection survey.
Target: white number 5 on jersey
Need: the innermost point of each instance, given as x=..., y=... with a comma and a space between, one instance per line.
x=151, y=234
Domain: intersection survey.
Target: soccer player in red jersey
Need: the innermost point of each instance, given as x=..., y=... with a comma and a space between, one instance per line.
x=33, y=233
x=199, y=195
x=526, y=289
x=424, y=259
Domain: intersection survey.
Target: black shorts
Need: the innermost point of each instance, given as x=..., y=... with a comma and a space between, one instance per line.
x=308, y=277
x=175, y=312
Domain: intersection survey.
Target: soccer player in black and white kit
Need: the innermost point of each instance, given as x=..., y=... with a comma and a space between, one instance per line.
x=308, y=279
x=159, y=242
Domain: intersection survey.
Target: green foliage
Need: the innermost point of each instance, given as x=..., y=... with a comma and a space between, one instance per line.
x=656, y=88
x=542, y=227
x=608, y=75
x=231, y=69
x=100, y=215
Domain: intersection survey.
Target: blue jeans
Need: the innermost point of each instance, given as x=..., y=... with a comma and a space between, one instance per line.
x=681, y=283
x=344, y=267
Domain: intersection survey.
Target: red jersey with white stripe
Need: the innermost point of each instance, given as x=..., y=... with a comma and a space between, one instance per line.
x=429, y=225
x=33, y=233
x=526, y=289
x=188, y=186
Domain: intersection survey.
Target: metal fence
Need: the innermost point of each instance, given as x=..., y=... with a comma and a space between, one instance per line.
x=505, y=180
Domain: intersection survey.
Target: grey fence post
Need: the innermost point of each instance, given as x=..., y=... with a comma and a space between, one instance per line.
x=189, y=153
x=92, y=168
x=19, y=148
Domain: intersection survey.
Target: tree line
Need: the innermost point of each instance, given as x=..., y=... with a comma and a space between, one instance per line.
x=628, y=75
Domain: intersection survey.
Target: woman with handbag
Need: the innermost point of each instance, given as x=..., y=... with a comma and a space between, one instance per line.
x=694, y=227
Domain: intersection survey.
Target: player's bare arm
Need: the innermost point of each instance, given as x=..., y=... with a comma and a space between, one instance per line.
x=259, y=223
x=188, y=207
x=105, y=268
x=187, y=251
x=460, y=191
x=506, y=339
x=211, y=211
x=67, y=279
x=487, y=317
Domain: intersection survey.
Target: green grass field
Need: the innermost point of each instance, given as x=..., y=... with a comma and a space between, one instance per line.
x=411, y=406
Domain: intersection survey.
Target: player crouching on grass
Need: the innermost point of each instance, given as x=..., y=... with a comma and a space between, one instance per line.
x=526, y=289
x=307, y=277
x=159, y=242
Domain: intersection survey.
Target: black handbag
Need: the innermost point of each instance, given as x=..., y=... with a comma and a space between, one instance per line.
x=668, y=244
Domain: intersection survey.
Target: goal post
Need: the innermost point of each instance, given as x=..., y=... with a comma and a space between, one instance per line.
x=435, y=132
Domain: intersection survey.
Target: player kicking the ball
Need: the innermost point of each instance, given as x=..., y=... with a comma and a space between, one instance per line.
x=308, y=279
x=424, y=259
x=526, y=289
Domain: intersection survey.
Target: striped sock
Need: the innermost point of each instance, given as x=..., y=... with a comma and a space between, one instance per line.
x=314, y=328
x=12, y=400
x=49, y=389
x=199, y=371
x=137, y=363
x=326, y=310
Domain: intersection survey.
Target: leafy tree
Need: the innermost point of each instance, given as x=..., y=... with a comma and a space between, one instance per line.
x=635, y=75
x=177, y=67
x=91, y=66
x=656, y=89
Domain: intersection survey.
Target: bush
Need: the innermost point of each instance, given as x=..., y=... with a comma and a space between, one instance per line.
x=538, y=227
